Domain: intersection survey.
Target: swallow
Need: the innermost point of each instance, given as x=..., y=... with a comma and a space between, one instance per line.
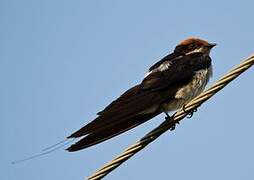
x=168, y=85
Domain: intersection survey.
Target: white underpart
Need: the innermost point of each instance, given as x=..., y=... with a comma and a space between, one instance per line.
x=189, y=91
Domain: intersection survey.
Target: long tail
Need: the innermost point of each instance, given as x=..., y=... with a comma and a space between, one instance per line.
x=110, y=131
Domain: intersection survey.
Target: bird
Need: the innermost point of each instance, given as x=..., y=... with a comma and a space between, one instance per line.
x=168, y=85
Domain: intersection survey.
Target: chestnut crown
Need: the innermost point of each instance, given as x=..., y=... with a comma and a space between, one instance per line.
x=194, y=45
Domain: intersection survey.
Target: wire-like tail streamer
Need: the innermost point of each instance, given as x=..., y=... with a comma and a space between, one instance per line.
x=47, y=150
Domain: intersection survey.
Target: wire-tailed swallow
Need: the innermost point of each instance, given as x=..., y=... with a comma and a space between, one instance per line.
x=169, y=85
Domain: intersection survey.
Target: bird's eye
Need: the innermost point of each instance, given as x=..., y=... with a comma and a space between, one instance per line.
x=192, y=46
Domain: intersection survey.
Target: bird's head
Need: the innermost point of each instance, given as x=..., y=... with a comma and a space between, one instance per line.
x=194, y=45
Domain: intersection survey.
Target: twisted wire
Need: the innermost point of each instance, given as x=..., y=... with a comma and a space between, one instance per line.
x=178, y=116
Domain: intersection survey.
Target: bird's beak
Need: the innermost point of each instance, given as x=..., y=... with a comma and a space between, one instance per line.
x=211, y=45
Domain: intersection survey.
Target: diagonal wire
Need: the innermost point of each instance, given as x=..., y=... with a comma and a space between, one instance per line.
x=178, y=116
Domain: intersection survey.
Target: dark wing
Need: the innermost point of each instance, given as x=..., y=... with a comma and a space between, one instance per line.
x=128, y=105
x=167, y=58
x=127, y=111
x=107, y=133
x=121, y=115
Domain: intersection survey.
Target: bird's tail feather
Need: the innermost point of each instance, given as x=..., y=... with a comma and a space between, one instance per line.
x=109, y=132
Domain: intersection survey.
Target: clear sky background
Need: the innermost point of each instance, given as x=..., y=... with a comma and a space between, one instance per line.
x=62, y=61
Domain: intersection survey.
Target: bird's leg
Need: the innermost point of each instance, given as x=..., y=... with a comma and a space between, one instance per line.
x=190, y=113
x=168, y=118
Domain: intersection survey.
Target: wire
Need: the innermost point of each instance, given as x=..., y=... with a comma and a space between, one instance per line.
x=179, y=115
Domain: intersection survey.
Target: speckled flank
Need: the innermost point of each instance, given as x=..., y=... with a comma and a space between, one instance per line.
x=188, y=92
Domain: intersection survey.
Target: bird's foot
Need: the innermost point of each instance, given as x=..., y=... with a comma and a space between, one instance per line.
x=190, y=113
x=168, y=118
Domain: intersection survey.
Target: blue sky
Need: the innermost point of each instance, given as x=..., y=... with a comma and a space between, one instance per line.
x=62, y=61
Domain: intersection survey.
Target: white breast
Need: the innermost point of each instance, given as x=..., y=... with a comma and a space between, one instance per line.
x=189, y=91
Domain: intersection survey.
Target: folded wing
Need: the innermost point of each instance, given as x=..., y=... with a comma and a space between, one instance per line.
x=141, y=102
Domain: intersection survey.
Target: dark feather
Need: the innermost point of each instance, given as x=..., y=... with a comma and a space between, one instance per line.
x=166, y=58
x=121, y=109
x=107, y=133
x=126, y=111
x=180, y=68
